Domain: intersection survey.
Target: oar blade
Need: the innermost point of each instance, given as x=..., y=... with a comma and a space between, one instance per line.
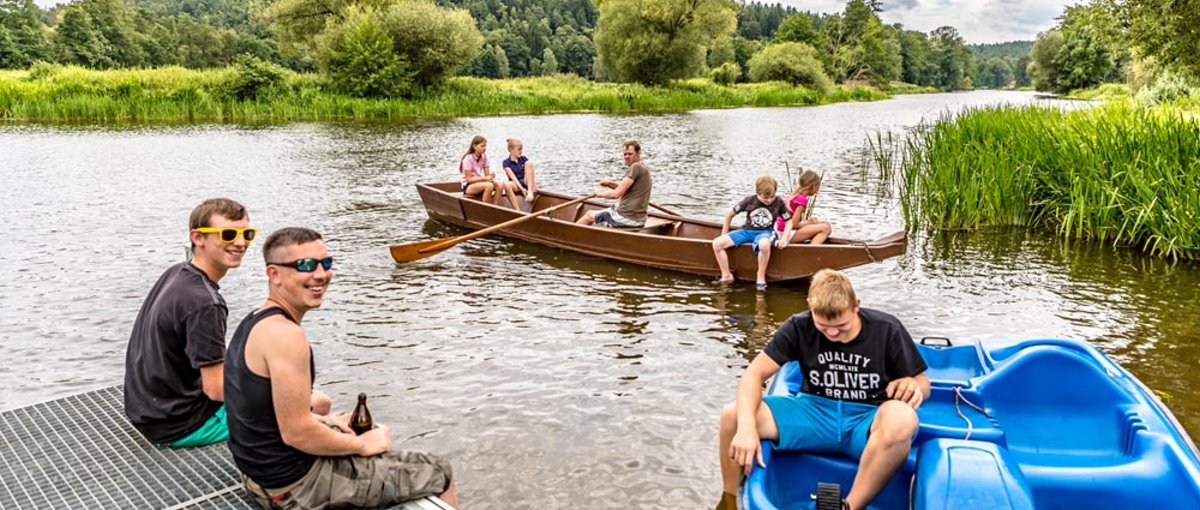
x=418, y=250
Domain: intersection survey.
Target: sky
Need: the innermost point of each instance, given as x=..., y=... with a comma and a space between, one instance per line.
x=978, y=21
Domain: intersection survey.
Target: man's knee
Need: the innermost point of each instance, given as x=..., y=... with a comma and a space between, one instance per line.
x=729, y=417
x=896, y=421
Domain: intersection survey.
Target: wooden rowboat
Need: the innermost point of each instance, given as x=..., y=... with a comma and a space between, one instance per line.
x=666, y=242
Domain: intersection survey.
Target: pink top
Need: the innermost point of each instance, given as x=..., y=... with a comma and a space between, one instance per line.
x=799, y=200
x=472, y=167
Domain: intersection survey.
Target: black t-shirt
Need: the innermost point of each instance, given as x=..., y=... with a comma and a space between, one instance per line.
x=180, y=328
x=760, y=216
x=858, y=371
x=254, y=436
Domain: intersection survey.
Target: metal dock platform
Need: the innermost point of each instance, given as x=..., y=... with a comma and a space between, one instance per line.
x=81, y=452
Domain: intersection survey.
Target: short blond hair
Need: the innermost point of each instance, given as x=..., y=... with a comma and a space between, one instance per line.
x=830, y=294
x=765, y=185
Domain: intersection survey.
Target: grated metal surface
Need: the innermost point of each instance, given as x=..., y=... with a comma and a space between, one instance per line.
x=81, y=452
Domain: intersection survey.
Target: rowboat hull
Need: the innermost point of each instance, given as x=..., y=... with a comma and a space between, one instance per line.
x=668, y=242
x=1037, y=424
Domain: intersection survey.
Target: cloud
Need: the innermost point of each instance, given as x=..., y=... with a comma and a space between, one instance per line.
x=978, y=21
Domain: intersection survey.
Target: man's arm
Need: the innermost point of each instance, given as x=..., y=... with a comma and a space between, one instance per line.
x=746, y=446
x=287, y=359
x=212, y=380
x=620, y=190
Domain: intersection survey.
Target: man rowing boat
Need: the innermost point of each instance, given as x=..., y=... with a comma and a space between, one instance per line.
x=632, y=193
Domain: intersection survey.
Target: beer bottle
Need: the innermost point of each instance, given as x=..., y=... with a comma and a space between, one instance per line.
x=360, y=421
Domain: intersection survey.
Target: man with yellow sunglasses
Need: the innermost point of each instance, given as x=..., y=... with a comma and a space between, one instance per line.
x=174, y=363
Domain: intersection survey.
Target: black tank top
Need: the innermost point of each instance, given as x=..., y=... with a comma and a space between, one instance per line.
x=254, y=439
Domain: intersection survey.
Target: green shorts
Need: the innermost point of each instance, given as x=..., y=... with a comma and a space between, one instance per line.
x=212, y=431
x=359, y=482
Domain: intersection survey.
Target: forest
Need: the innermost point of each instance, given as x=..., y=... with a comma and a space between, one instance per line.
x=509, y=39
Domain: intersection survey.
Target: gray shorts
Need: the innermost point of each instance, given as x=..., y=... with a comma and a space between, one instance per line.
x=361, y=482
x=610, y=217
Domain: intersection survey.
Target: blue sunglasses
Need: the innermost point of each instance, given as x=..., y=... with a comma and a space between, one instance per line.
x=306, y=265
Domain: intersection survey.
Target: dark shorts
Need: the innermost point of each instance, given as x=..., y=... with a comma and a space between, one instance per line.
x=818, y=424
x=360, y=482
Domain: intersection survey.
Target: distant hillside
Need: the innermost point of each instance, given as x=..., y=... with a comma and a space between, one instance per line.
x=1007, y=50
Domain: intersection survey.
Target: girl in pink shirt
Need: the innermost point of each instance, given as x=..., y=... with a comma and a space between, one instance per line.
x=477, y=178
x=812, y=229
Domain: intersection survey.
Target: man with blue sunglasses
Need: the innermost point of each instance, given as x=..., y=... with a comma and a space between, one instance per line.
x=322, y=463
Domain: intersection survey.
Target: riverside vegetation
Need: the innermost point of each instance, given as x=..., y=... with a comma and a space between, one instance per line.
x=1123, y=172
x=253, y=91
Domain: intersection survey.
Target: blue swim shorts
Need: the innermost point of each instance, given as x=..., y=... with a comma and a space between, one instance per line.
x=818, y=424
x=744, y=236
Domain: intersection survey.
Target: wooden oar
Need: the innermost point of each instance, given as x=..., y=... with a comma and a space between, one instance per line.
x=664, y=209
x=409, y=252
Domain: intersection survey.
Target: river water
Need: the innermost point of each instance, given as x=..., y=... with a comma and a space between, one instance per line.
x=550, y=379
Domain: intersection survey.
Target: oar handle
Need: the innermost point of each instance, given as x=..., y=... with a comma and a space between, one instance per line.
x=482, y=232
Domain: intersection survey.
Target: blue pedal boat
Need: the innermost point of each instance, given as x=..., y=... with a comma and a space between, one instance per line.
x=1036, y=424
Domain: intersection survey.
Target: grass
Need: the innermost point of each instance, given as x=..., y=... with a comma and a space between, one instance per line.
x=73, y=94
x=1122, y=172
x=1103, y=92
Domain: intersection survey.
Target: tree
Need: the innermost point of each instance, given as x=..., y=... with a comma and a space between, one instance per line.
x=795, y=63
x=653, y=41
x=881, y=60
x=79, y=42
x=358, y=56
x=1168, y=30
x=955, y=67
x=432, y=42
x=1043, y=66
x=799, y=28
x=1092, y=48
x=995, y=73
x=549, y=62
x=916, y=55
x=20, y=20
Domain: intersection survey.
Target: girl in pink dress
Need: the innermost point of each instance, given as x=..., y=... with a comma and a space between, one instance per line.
x=813, y=230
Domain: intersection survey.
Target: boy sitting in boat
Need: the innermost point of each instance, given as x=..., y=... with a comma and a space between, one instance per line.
x=762, y=210
x=863, y=381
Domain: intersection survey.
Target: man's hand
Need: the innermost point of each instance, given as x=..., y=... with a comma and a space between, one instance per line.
x=376, y=441
x=907, y=390
x=745, y=448
x=608, y=183
x=339, y=420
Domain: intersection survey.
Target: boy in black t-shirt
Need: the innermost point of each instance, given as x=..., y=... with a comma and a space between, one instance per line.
x=762, y=210
x=863, y=381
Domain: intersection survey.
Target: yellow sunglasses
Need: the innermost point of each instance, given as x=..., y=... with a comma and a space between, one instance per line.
x=229, y=234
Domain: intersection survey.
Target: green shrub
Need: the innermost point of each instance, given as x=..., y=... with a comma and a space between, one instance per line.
x=793, y=62
x=359, y=58
x=41, y=70
x=726, y=74
x=433, y=42
x=254, y=78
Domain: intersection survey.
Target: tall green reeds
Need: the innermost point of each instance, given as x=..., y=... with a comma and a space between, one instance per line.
x=71, y=94
x=1122, y=173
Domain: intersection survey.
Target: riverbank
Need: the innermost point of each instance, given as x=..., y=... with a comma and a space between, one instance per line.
x=1123, y=173
x=171, y=95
